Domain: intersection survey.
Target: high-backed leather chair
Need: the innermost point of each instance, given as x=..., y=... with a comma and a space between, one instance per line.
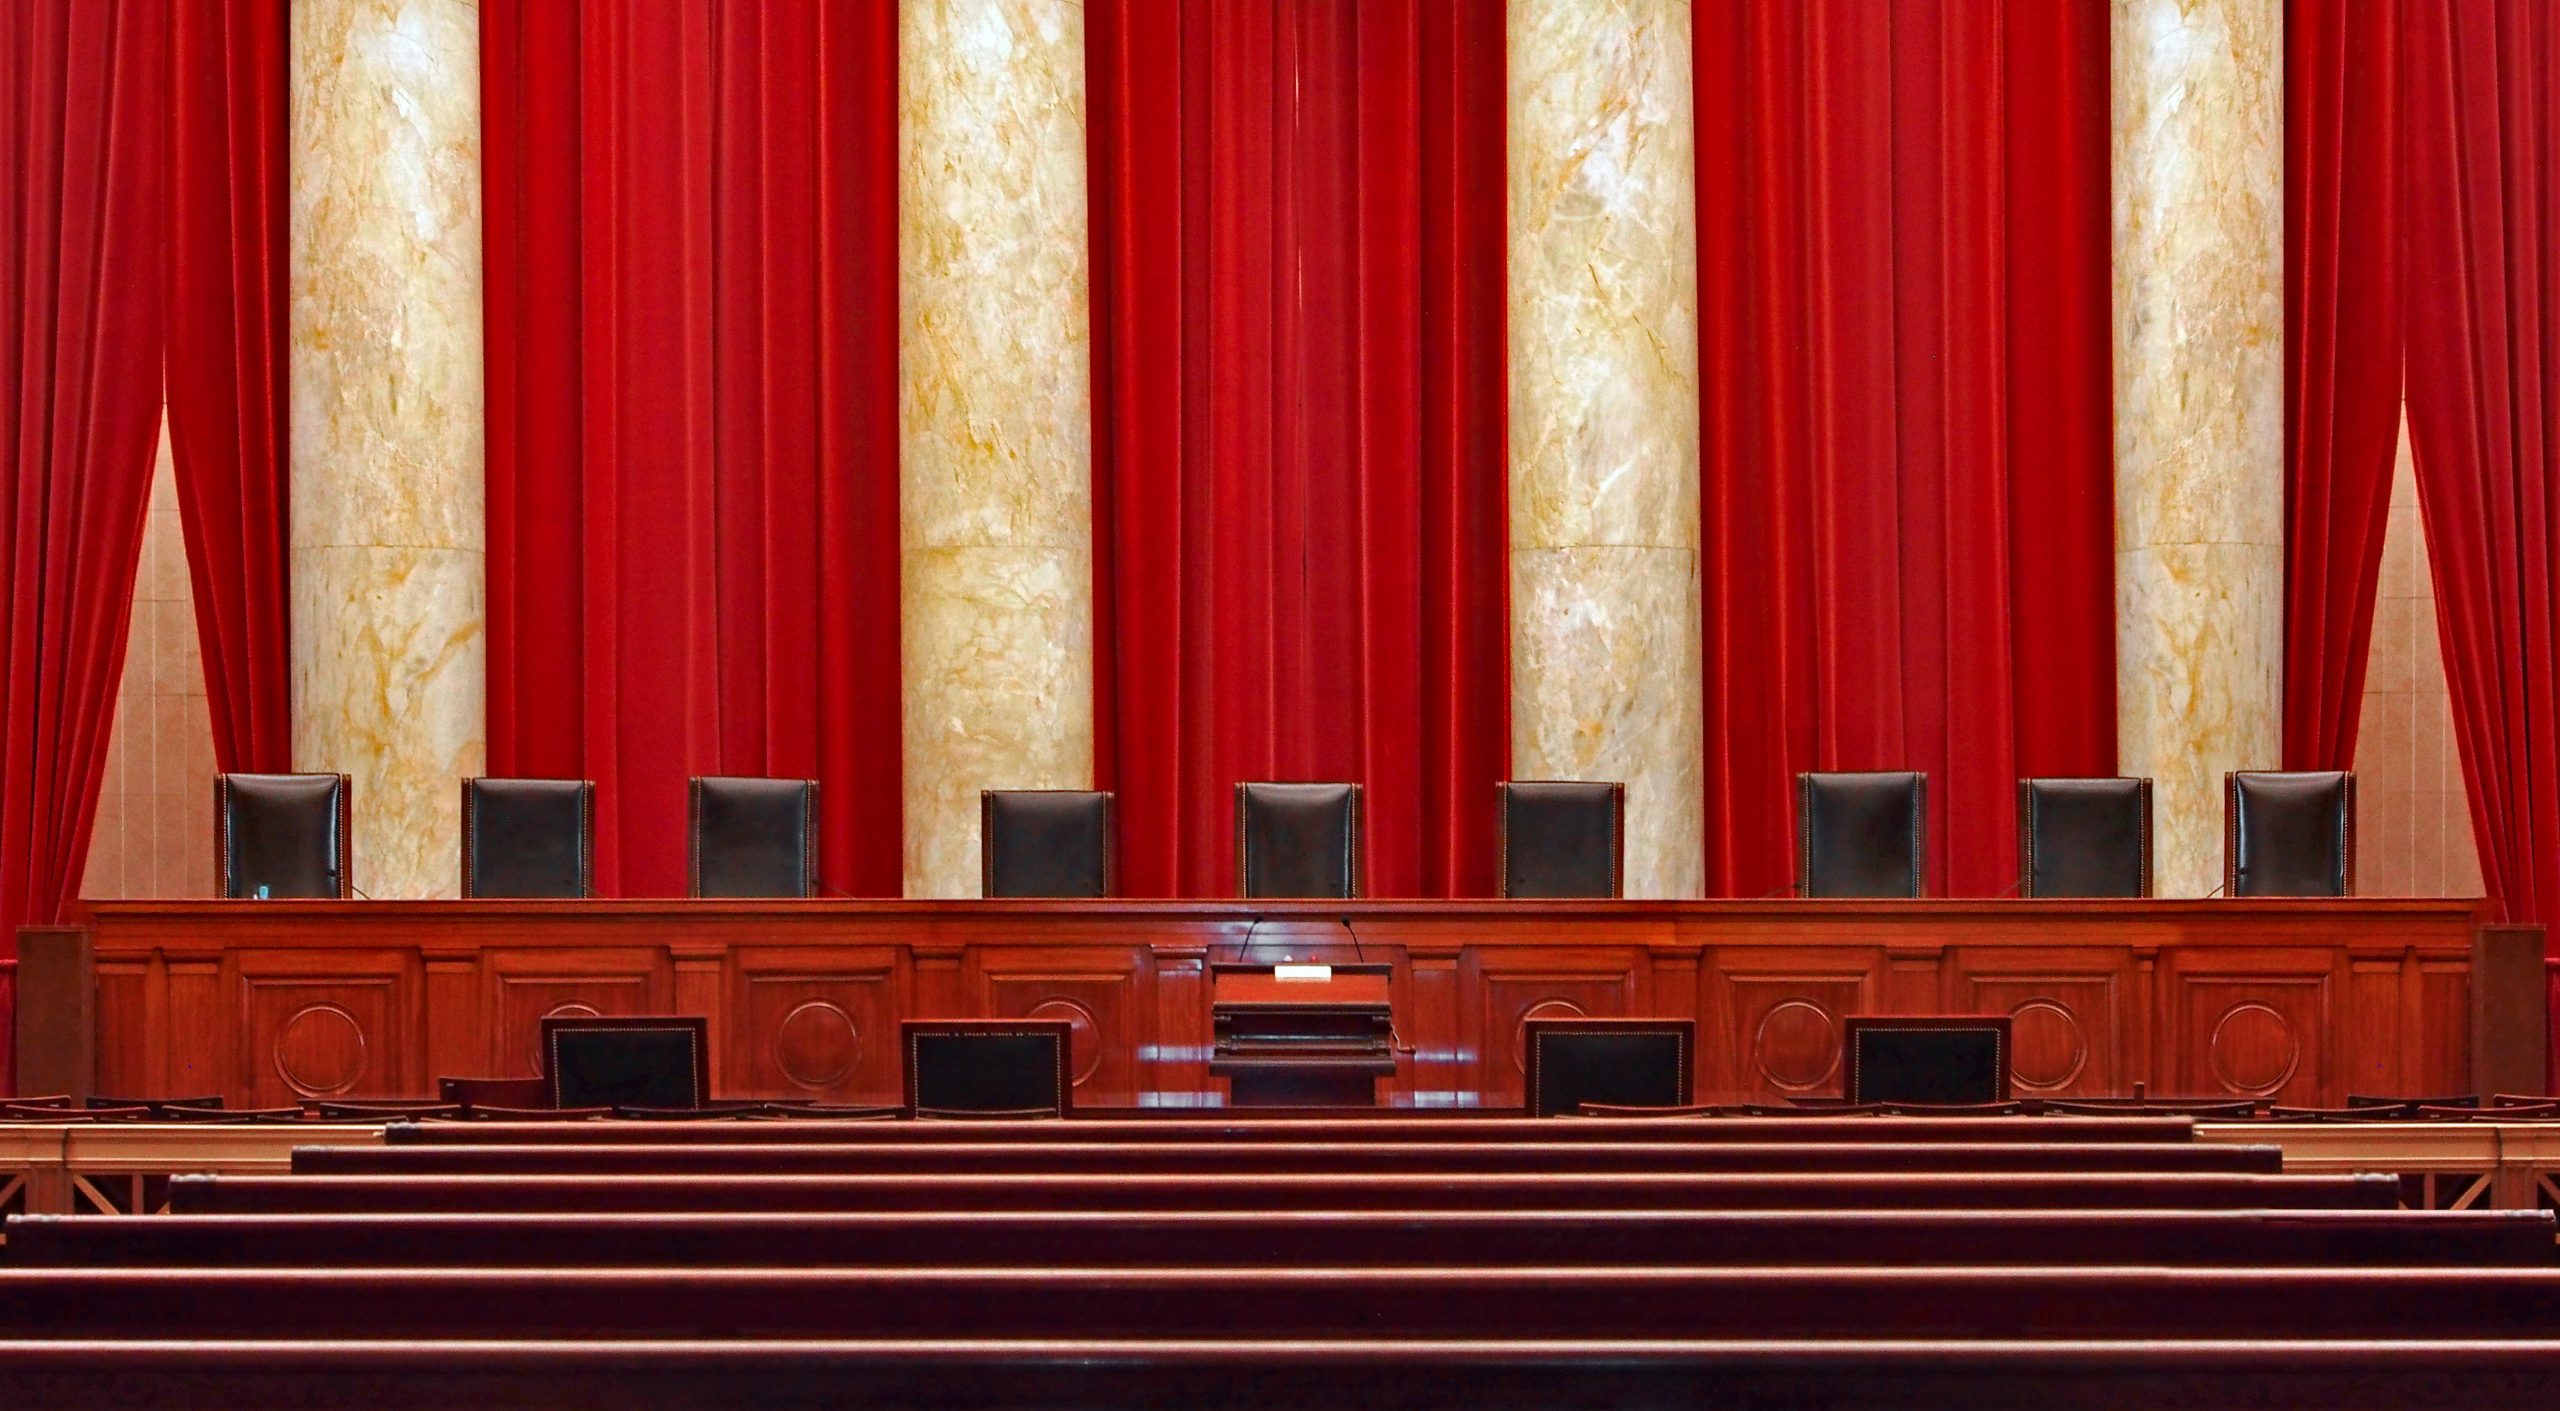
x=1563, y=838
x=755, y=837
x=283, y=835
x=528, y=838
x=2084, y=837
x=2289, y=834
x=1045, y=843
x=1862, y=834
x=1298, y=840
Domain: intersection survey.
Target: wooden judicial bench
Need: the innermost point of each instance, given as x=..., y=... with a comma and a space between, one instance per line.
x=268, y=1002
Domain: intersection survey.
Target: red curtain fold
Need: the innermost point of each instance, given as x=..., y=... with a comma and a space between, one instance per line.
x=1298, y=285
x=1906, y=440
x=2342, y=360
x=226, y=370
x=83, y=142
x=2481, y=225
x=691, y=226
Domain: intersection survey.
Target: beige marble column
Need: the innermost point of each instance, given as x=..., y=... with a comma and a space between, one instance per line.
x=994, y=418
x=389, y=655
x=2198, y=156
x=1604, y=418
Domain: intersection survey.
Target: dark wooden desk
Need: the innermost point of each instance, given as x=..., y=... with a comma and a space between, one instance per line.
x=2304, y=1001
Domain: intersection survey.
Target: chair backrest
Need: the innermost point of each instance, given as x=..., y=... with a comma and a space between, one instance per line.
x=1298, y=840
x=282, y=835
x=1861, y=834
x=1563, y=838
x=1045, y=843
x=2289, y=834
x=2084, y=837
x=1576, y=1063
x=754, y=837
x=528, y=837
x=625, y=1061
x=990, y=1067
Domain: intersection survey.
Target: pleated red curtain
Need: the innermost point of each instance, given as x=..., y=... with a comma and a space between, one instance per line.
x=226, y=370
x=2342, y=360
x=1298, y=285
x=83, y=141
x=1907, y=432
x=2481, y=191
x=692, y=294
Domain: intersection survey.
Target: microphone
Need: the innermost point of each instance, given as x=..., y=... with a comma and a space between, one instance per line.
x=1244, y=950
x=1395, y=1035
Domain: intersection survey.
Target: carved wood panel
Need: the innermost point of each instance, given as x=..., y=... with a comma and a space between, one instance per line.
x=319, y=1025
x=2065, y=1012
x=1502, y=992
x=2256, y=1024
x=526, y=986
x=1101, y=992
x=124, y=1031
x=813, y=1022
x=1773, y=1027
x=2305, y=1000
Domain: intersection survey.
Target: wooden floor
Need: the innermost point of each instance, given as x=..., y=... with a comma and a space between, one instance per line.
x=1222, y=1261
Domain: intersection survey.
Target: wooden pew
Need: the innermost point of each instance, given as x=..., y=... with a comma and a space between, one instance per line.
x=1399, y=1128
x=1170, y=1158
x=1358, y=1375
x=202, y=1194
x=1278, y=1304
x=1249, y=1240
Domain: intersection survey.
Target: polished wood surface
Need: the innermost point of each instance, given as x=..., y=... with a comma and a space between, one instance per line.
x=2300, y=1001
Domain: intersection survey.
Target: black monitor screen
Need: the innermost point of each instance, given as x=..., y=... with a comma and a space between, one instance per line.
x=626, y=1066
x=1933, y=1065
x=963, y=1072
x=1616, y=1069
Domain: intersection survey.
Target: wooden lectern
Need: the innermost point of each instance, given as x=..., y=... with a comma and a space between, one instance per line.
x=1301, y=1035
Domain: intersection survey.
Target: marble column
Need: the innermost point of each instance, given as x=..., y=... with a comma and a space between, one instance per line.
x=389, y=653
x=1605, y=676
x=994, y=418
x=2198, y=156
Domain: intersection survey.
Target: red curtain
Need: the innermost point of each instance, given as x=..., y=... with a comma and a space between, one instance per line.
x=1907, y=431
x=83, y=133
x=2482, y=227
x=692, y=293
x=2342, y=360
x=1297, y=224
x=226, y=371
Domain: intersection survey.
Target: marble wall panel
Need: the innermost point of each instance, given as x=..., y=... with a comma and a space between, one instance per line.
x=2198, y=160
x=1604, y=417
x=995, y=418
x=387, y=422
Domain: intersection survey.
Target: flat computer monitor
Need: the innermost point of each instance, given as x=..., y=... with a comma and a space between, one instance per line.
x=624, y=1062
x=1950, y=1060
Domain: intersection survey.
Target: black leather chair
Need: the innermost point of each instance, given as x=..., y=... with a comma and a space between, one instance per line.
x=1045, y=843
x=755, y=837
x=2084, y=837
x=1861, y=835
x=1298, y=840
x=528, y=838
x=2289, y=834
x=283, y=835
x=1563, y=838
